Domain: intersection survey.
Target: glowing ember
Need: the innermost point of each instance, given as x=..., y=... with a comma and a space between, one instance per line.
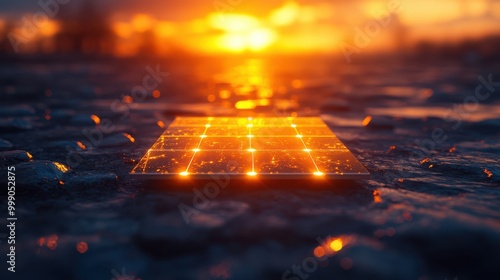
x=250, y=147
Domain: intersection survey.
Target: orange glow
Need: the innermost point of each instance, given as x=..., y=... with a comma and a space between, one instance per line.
x=289, y=27
x=128, y=99
x=96, y=119
x=489, y=173
x=224, y=94
x=252, y=173
x=52, y=242
x=367, y=120
x=318, y=173
x=81, y=145
x=160, y=124
x=122, y=29
x=156, y=93
x=129, y=137
x=251, y=104
x=164, y=29
x=211, y=98
x=377, y=196
x=336, y=245
x=41, y=241
x=319, y=251
x=49, y=28
x=285, y=15
x=184, y=173
x=61, y=167
x=233, y=22
x=142, y=23
x=82, y=247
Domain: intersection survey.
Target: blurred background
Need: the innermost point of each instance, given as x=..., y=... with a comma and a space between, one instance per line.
x=165, y=28
x=86, y=87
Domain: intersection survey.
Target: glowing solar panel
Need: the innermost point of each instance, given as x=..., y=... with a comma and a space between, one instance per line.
x=249, y=147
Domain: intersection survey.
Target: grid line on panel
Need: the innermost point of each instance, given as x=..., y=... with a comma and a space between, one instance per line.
x=251, y=149
x=306, y=149
x=197, y=149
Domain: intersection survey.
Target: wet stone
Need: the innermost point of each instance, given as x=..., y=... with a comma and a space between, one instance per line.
x=14, y=157
x=116, y=140
x=17, y=111
x=82, y=119
x=14, y=124
x=381, y=123
x=4, y=144
x=40, y=176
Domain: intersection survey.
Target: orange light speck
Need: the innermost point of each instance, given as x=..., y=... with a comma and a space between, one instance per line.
x=129, y=137
x=298, y=136
x=196, y=150
x=252, y=173
x=211, y=98
x=185, y=173
x=318, y=173
x=96, y=119
x=293, y=125
x=208, y=125
x=203, y=136
x=367, y=120
x=336, y=245
x=156, y=93
x=307, y=150
x=251, y=150
x=250, y=136
x=128, y=99
x=489, y=173
x=319, y=251
x=41, y=241
x=82, y=247
x=160, y=124
x=81, y=145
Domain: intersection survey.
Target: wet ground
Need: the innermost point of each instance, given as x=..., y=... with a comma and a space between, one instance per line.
x=74, y=130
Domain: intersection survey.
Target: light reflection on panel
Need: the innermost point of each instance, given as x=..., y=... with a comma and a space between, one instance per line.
x=225, y=143
x=277, y=143
x=252, y=147
x=276, y=162
x=323, y=143
x=209, y=162
x=176, y=143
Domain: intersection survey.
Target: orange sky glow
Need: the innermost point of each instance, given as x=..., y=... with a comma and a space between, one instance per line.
x=232, y=26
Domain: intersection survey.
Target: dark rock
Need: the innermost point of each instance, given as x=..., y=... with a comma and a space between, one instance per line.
x=4, y=144
x=92, y=183
x=14, y=157
x=15, y=124
x=17, y=111
x=117, y=140
x=40, y=176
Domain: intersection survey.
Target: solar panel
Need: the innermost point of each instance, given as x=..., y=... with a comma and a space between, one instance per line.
x=284, y=147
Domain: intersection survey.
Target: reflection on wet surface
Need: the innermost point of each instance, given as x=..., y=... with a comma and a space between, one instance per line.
x=413, y=219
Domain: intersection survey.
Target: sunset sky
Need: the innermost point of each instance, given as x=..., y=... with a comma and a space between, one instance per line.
x=279, y=25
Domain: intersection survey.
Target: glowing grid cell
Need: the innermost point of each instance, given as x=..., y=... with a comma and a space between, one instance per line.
x=278, y=148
